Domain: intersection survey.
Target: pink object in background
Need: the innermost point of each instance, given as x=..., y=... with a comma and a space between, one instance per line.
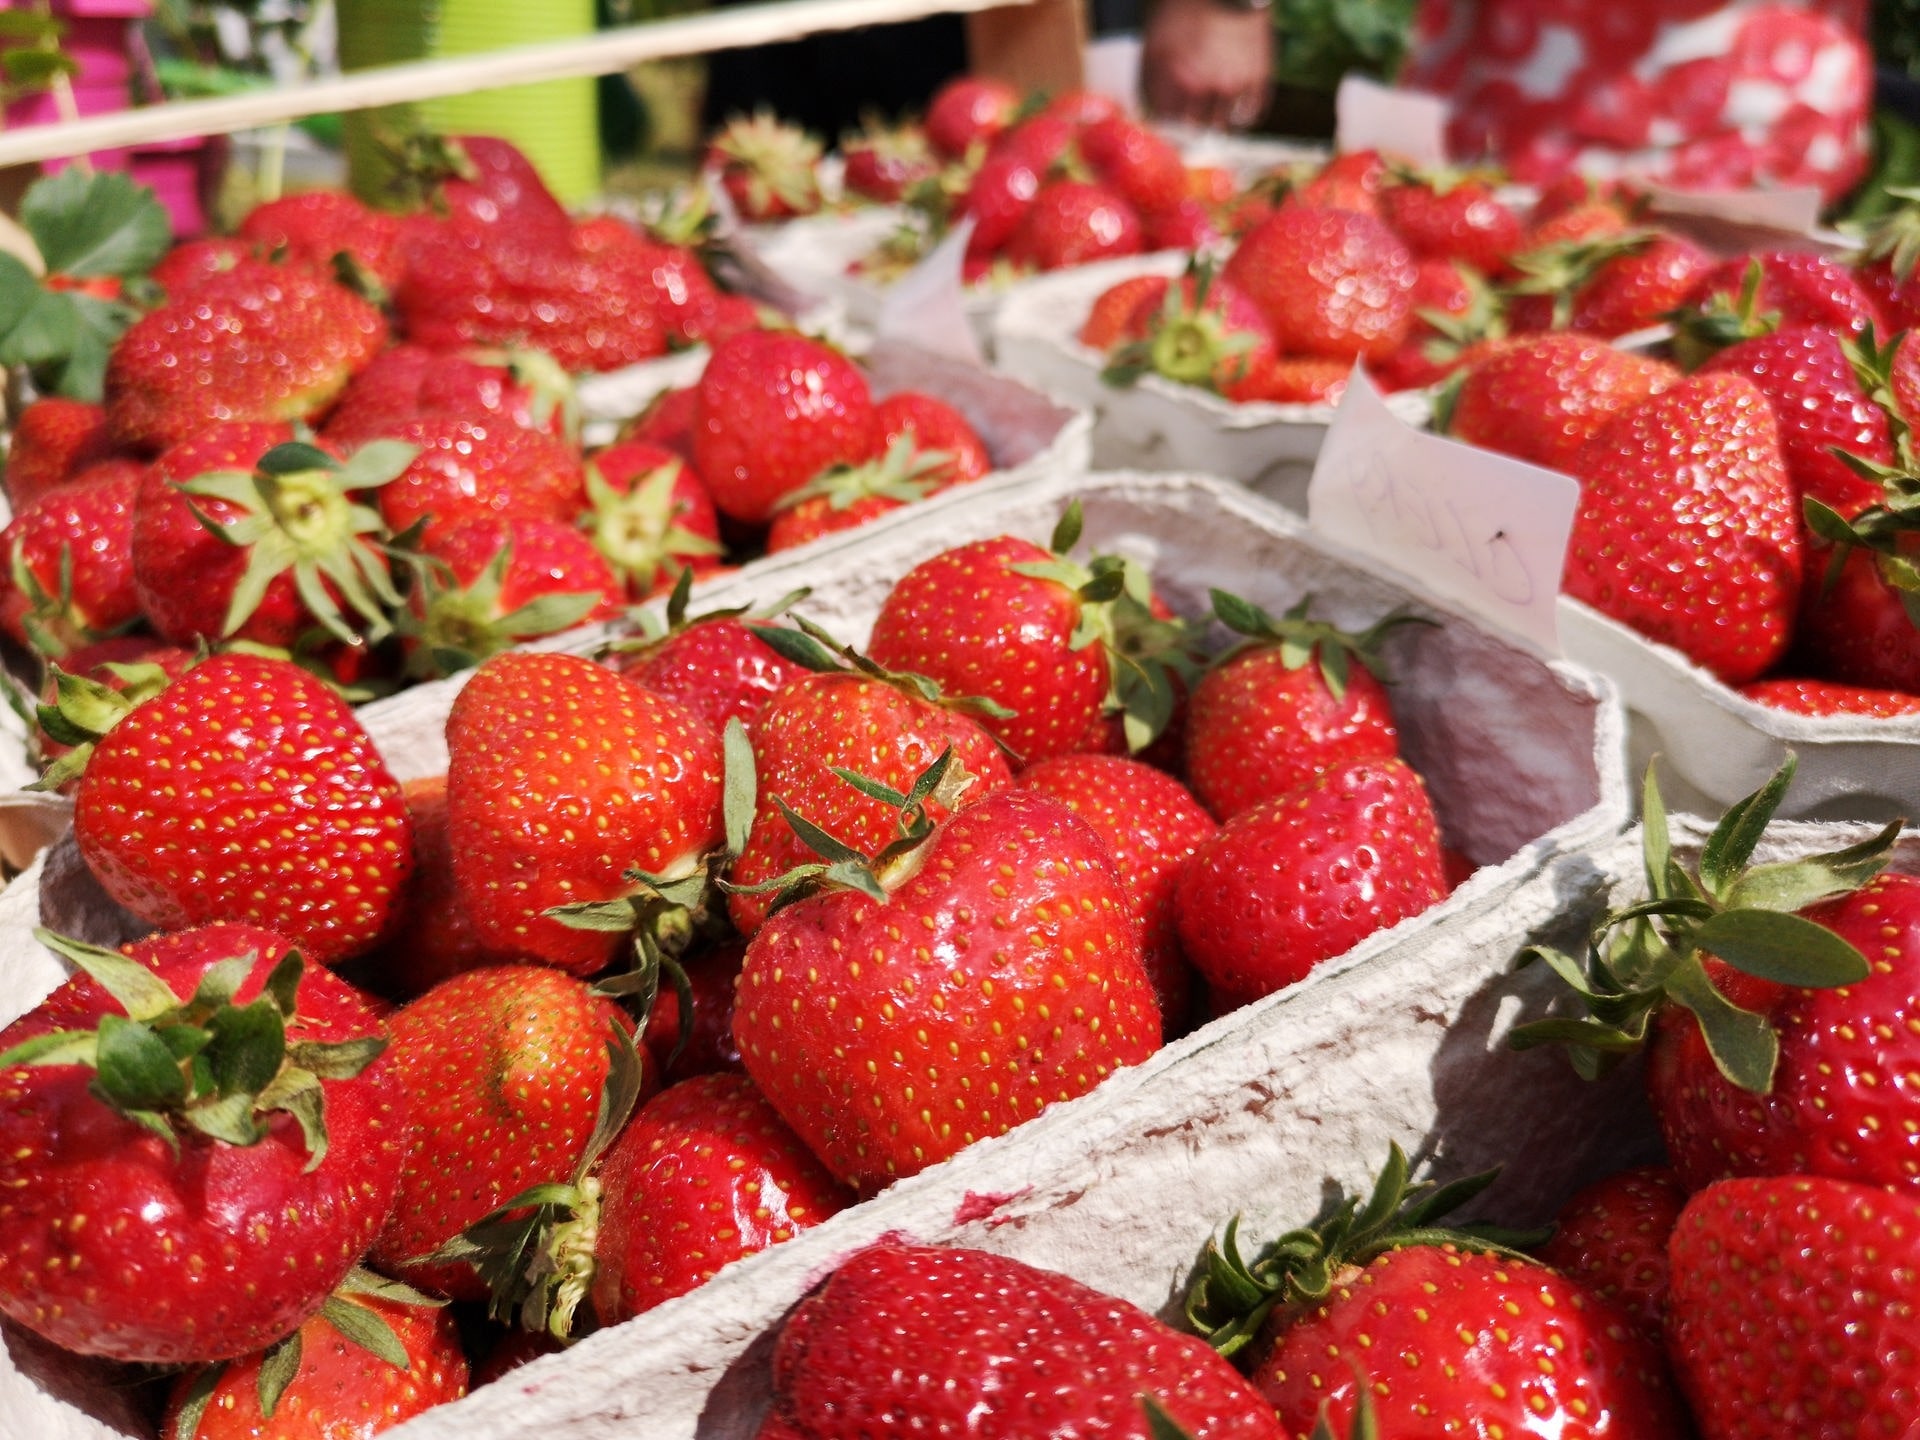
x=1699, y=94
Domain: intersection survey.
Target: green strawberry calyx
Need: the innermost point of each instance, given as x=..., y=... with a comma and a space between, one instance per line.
x=206, y=1064
x=296, y=512
x=1303, y=641
x=808, y=645
x=535, y=1251
x=1562, y=270
x=455, y=627
x=1744, y=915
x=655, y=625
x=83, y=710
x=777, y=160
x=905, y=473
x=1894, y=237
x=346, y=1311
x=1188, y=340
x=637, y=529
x=1232, y=1298
x=1700, y=331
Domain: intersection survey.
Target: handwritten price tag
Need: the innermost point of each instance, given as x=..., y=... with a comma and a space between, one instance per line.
x=927, y=306
x=1372, y=116
x=1484, y=532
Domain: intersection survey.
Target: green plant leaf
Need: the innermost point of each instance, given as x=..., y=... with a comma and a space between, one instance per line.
x=96, y=224
x=1743, y=1045
x=1734, y=839
x=742, y=785
x=1787, y=949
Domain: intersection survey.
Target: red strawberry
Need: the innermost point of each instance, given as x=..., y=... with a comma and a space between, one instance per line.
x=1351, y=180
x=487, y=189
x=482, y=469
x=1542, y=397
x=434, y=938
x=669, y=421
x=408, y=381
x=1151, y=823
x=339, y=1386
x=1607, y=286
x=52, y=438
x=714, y=666
x=1612, y=1238
x=291, y=820
x=770, y=169
x=69, y=557
x=1187, y=224
x=1119, y=312
x=1801, y=696
x=1804, y=288
x=188, y=265
x=1139, y=165
x=315, y=226
x=1298, y=380
x=651, y=516
x=1333, y=283
x=776, y=410
x=907, y=1340
x=1307, y=876
x=1011, y=930
x=486, y=585
x=704, y=1174
x=932, y=424
x=1791, y=1311
x=1296, y=700
x=1452, y=217
x=260, y=342
x=969, y=109
x=882, y=163
x=562, y=779
x=195, y=1176
x=503, y=1069
x=1071, y=222
x=708, y=1045
x=1688, y=527
x=997, y=201
x=847, y=496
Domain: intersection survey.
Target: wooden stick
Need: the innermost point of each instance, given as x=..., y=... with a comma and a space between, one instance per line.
x=606, y=53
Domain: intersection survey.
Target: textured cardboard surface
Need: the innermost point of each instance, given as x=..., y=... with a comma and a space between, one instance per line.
x=1255, y=1113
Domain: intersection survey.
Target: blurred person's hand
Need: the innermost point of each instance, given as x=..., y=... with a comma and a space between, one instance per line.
x=1209, y=62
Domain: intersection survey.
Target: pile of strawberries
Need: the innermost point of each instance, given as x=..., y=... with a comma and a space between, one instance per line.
x=269, y=465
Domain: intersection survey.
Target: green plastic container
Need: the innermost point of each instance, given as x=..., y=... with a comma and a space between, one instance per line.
x=556, y=122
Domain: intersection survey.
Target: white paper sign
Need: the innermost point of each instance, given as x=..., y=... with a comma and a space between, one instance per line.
x=1796, y=209
x=927, y=306
x=1484, y=532
x=1372, y=116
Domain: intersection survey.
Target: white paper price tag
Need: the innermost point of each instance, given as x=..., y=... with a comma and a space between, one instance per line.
x=1796, y=210
x=1482, y=531
x=927, y=306
x=1372, y=116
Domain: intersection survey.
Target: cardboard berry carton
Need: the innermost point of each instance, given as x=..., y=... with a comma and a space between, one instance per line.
x=1401, y=1038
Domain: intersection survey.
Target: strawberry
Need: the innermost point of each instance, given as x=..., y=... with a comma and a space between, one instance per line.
x=291, y=820
x=705, y=1174
x=1007, y=925
x=968, y=110
x=315, y=227
x=486, y=585
x=669, y=421
x=260, y=342
x=238, y=533
x=997, y=200
x=187, y=266
x=1542, y=397
x=707, y=1045
x=114, y=1144
x=486, y=189
x=1188, y=224
x=1687, y=528
x=1804, y=288
x=847, y=715
x=883, y=162
x=906, y=1340
x=844, y=497
x=1790, y=1311
x=566, y=784
x=1151, y=823
x=1295, y=699
x=1801, y=696
x=1071, y=222
x=468, y=469
x=1351, y=180
x=775, y=410
x=713, y=665
x=1139, y=165
x=52, y=438
x=1307, y=876
x=932, y=424
x=504, y=1070
x=434, y=938
x=1451, y=217
x=651, y=516
x=1119, y=312
x=1298, y=380
x=69, y=556
x=334, y=1390
x=1332, y=283
x=1612, y=1238
x=770, y=169
x=404, y=382
x=1607, y=286
x=1448, y=1330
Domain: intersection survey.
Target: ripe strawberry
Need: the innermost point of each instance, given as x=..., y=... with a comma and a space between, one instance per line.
x=1608, y=286
x=1351, y=180
x=1790, y=1310
x=1203, y=331
x=1333, y=283
x=1542, y=397
x=563, y=779
x=503, y=1069
x=314, y=227
x=704, y=1174
x=1612, y=1238
x=1804, y=288
x=1688, y=527
x=776, y=410
x=1801, y=696
x=932, y=424
x=906, y=1340
x=883, y=162
x=1293, y=701
x=187, y=266
x=260, y=342
x=713, y=665
x=290, y=820
x=1307, y=876
x=1188, y=224
x=482, y=469
x=969, y=110
x=707, y=1045
x=487, y=189
x=69, y=558
x=770, y=169
x=1138, y=164
x=406, y=381
x=1451, y=217
x=1298, y=380
x=1012, y=930
x=1151, y=823
x=997, y=200
x=651, y=516
x=52, y=438
x=483, y=586
x=669, y=421
x=212, y=1179
x=1119, y=312
x=1071, y=222
x=844, y=497
x=340, y=1387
